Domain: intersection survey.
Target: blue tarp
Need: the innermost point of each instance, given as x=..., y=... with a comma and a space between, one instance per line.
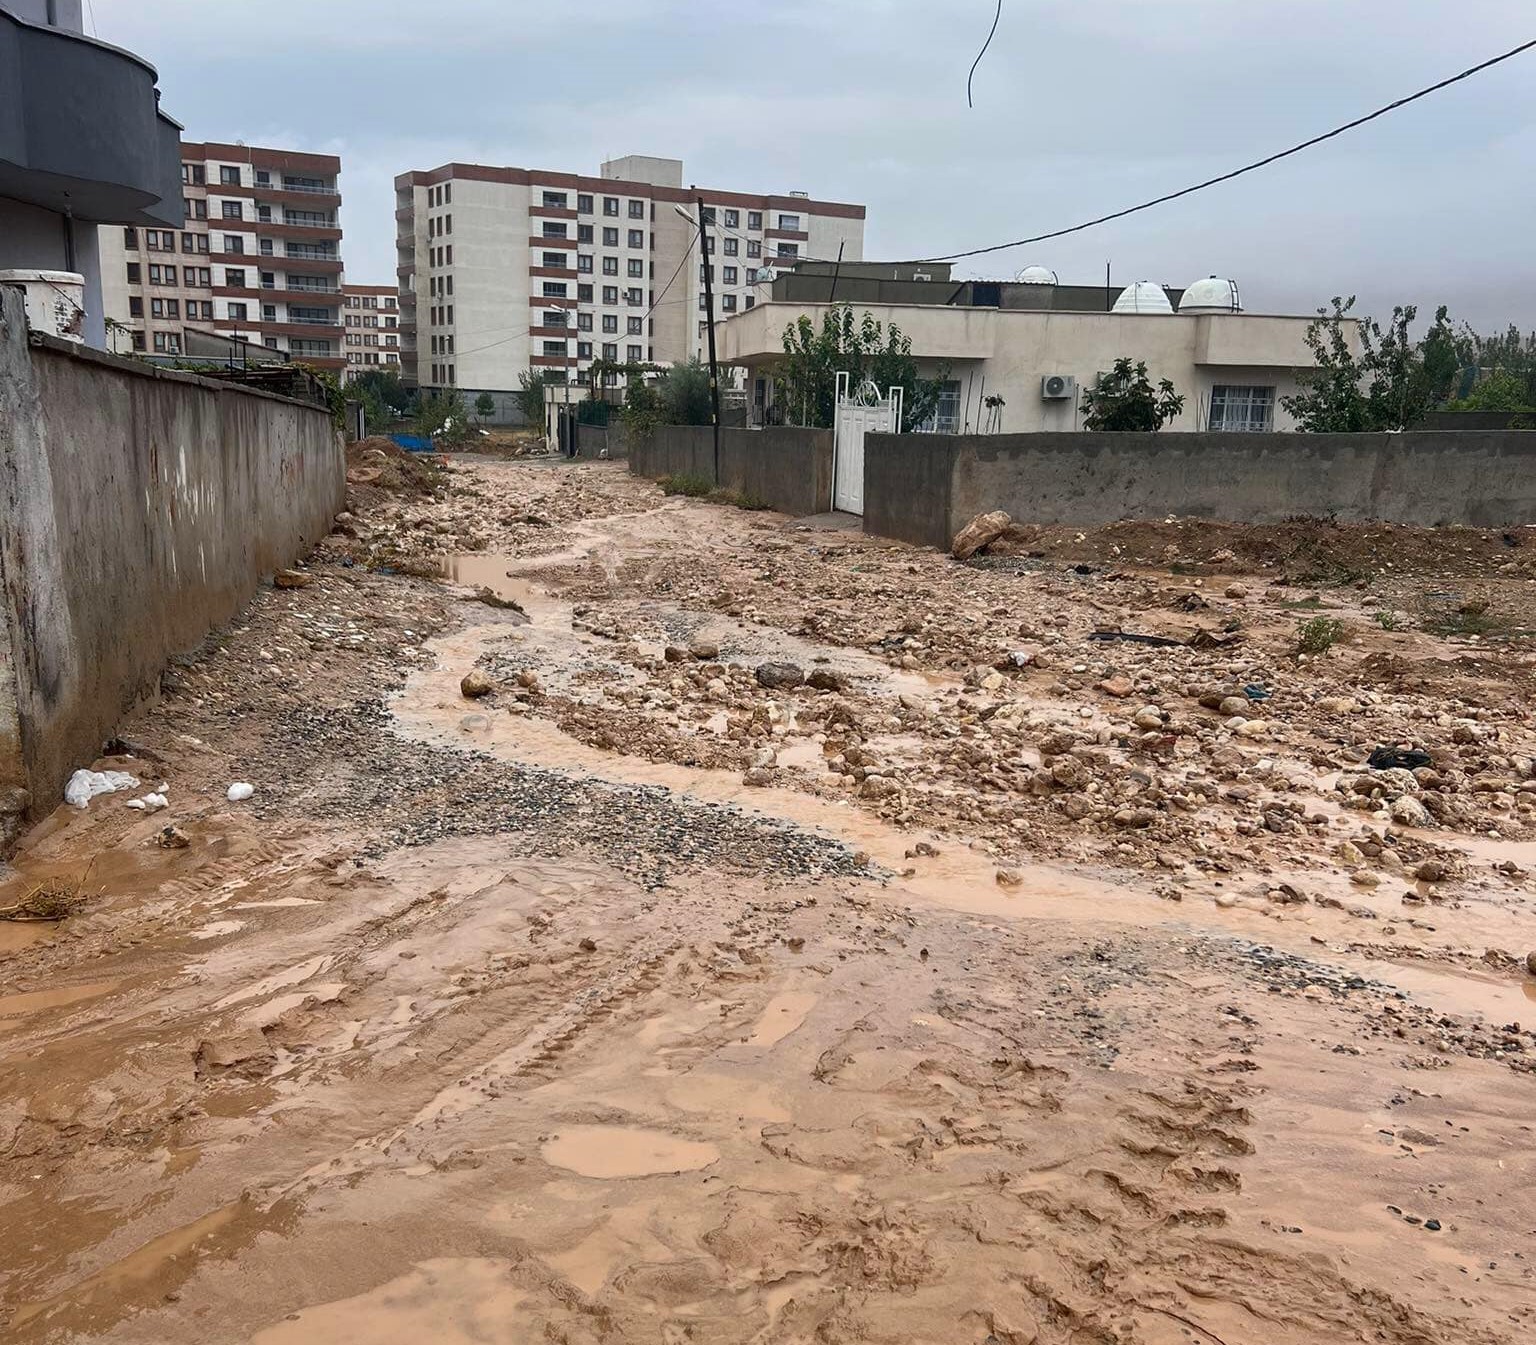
x=413, y=443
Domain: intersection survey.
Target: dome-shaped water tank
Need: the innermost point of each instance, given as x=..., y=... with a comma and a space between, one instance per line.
x=1036, y=275
x=1211, y=295
x=1145, y=296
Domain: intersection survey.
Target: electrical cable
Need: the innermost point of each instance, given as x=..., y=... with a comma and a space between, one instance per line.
x=982, y=53
x=1236, y=172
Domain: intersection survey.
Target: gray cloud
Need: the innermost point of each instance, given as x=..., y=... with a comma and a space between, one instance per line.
x=1079, y=109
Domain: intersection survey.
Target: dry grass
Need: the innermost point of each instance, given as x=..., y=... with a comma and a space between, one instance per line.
x=51, y=899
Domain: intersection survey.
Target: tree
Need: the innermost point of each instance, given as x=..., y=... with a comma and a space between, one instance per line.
x=805, y=383
x=530, y=396
x=1124, y=399
x=1510, y=353
x=1500, y=390
x=485, y=406
x=383, y=395
x=441, y=417
x=1392, y=384
x=683, y=392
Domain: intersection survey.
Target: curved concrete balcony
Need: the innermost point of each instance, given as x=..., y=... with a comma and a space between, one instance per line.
x=81, y=131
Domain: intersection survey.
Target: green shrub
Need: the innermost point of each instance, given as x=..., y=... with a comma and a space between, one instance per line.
x=696, y=487
x=1318, y=635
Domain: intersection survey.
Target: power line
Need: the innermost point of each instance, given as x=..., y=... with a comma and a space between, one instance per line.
x=982, y=53
x=1236, y=172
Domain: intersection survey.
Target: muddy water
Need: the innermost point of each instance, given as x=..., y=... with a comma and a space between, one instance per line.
x=610, y=1152
x=60, y=997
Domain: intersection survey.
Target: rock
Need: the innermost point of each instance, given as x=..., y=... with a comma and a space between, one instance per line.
x=1148, y=717
x=475, y=683
x=1232, y=705
x=979, y=533
x=1432, y=871
x=174, y=838
x=879, y=787
x=757, y=777
x=704, y=650
x=675, y=654
x=823, y=679
x=1117, y=686
x=291, y=579
x=1010, y=878
x=1410, y=812
x=1237, y=590
x=1253, y=728
x=1530, y=962
x=779, y=676
x=1070, y=773
x=1134, y=817
x=587, y=946
x=1339, y=705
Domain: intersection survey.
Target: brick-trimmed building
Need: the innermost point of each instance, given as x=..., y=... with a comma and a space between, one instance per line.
x=506, y=269
x=258, y=256
x=371, y=314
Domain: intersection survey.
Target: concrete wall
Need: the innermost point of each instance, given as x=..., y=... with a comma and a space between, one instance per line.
x=139, y=508
x=787, y=468
x=924, y=488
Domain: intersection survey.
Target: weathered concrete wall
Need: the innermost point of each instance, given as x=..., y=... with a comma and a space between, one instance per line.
x=1427, y=478
x=787, y=468
x=602, y=441
x=140, y=509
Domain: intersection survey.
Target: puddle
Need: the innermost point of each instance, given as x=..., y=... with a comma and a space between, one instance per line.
x=781, y=1016
x=609, y=1152
x=1463, y=991
x=484, y=570
x=801, y=753
x=18, y=1006
x=451, y=1301
x=721, y=1095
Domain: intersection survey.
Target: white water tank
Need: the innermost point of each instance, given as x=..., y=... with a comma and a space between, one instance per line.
x=55, y=301
x=1211, y=295
x=1036, y=275
x=1145, y=296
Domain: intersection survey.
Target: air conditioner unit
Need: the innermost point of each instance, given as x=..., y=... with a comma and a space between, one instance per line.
x=1057, y=387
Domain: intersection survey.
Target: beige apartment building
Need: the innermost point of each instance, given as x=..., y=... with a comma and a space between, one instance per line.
x=502, y=270
x=371, y=314
x=258, y=257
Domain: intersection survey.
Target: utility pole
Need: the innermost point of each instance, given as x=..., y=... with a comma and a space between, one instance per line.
x=709, y=317
x=836, y=270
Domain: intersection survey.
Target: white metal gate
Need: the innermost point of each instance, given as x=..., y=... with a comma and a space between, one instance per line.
x=856, y=414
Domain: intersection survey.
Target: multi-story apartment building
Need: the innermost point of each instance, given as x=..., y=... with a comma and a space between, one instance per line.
x=506, y=269
x=372, y=317
x=258, y=256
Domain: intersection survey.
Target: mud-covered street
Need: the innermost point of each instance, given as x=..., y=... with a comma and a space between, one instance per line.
x=796, y=937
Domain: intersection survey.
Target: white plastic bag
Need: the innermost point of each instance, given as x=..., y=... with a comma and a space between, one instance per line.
x=239, y=792
x=85, y=785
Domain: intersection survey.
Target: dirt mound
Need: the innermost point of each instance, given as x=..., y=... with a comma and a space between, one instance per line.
x=1303, y=550
x=382, y=464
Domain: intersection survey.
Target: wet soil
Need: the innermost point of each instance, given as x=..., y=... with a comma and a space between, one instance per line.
x=627, y=1002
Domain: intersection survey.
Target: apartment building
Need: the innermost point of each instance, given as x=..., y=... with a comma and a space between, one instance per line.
x=506, y=269
x=371, y=314
x=258, y=256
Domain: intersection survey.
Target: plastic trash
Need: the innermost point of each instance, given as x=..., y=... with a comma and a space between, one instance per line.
x=85, y=785
x=1398, y=758
x=239, y=792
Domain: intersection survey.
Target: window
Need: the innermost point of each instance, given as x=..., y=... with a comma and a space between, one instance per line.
x=138, y=340
x=610, y=238
x=553, y=229
x=232, y=210
x=584, y=203
x=229, y=175
x=751, y=299
x=637, y=268
x=189, y=276
x=1239, y=406
x=637, y=238
x=583, y=233
x=173, y=308
x=192, y=174
x=135, y=271
x=789, y=249
x=634, y=297
x=266, y=249
x=728, y=275
x=732, y=219
x=790, y=222
x=701, y=273
x=264, y=214
x=447, y=193
x=194, y=242
x=448, y=255
x=234, y=243
x=269, y=312
x=159, y=240
x=635, y=353
x=583, y=350
x=270, y=342
x=135, y=307
x=584, y=322
x=610, y=266
x=450, y=313
x=555, y=348
x=754, y=219
x=554, y=289
x=131, y=239
x=553, y=200
x=556, y=260
x=234, y=277
x=610, y=350
x=554, y=317
x=197, y=209
x=157, y=308
x=583, y=294
x=727, y=303
x=754, y=248
x=701, y=303
x=167, y=343
x=731, y=246
x=635, y=326
x=637, y=210
x=709, y=243
x=238, y=312
x=610, y=322
x=584, y=263
x=610, y=205
x=610, y=294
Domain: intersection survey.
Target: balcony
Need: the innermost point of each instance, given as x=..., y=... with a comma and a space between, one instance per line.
x=551, y=211
x=551, y=244
x=287, y=229
x=82, y=132
x=553, y=272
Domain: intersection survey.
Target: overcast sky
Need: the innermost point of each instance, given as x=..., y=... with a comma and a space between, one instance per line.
x=1081, y=108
